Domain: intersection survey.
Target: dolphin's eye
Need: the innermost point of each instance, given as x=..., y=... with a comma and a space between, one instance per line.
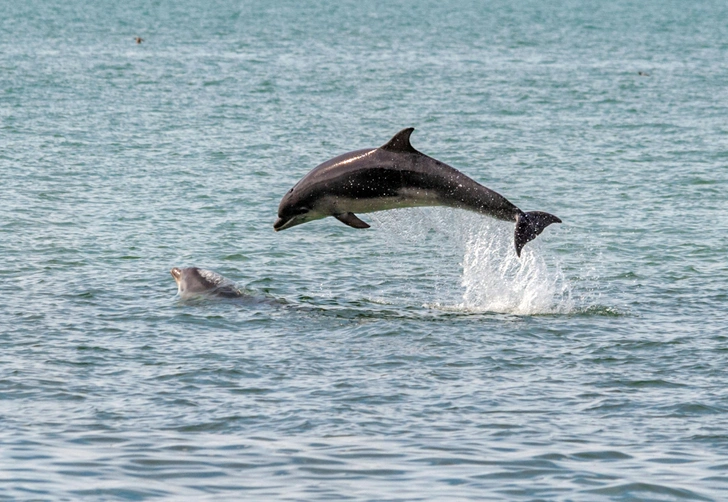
x=300, y=210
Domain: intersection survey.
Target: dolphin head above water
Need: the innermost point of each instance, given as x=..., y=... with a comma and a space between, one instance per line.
x=327, y=191
x=295, y=210
x=196, y=282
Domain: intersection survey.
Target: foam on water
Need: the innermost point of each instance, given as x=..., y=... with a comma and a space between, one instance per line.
x=493, y=277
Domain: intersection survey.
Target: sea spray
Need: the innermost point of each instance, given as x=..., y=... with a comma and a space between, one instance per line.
x=493, y=278
x=496, y=280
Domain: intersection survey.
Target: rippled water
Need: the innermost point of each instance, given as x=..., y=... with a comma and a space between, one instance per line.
x=416, y=360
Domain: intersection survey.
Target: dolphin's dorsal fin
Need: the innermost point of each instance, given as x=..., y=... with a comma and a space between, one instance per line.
x=400, y=142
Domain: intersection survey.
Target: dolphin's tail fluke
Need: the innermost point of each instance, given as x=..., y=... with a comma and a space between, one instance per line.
x=531, y=224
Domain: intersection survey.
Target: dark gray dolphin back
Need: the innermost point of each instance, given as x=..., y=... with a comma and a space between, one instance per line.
x=466, y=196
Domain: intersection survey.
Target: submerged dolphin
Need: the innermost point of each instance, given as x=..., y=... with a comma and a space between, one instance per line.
x=394, y=176
x=194, y=282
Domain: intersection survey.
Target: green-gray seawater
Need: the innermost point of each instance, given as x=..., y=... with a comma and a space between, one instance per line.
x=416, y=360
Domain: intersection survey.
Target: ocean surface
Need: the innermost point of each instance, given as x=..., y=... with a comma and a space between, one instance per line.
x=419, y=359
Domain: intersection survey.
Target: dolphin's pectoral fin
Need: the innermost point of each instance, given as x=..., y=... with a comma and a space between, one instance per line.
x=351, y=220
x=400, y=142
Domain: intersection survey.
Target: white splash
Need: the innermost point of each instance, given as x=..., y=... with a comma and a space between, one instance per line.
x=493, y=278
x=496, y=280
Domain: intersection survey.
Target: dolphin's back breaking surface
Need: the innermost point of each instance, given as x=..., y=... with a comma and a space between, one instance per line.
x=396, y=176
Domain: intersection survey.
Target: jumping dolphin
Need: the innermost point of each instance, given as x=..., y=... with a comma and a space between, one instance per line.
x=194, y=282
x=394, y=176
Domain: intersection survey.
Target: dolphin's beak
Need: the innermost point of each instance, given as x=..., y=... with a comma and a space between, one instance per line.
x=176, y=273
x=282, y=224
